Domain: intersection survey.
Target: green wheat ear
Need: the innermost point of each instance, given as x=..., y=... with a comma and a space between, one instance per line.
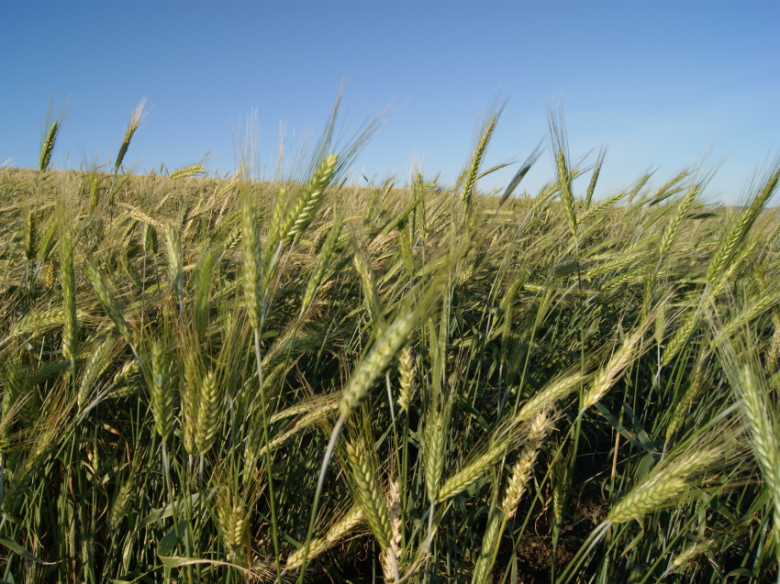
x=300, y=215
x=135, y=120
x=68, y=280
x=48, y=147
x=187, y=172
x=476, y=161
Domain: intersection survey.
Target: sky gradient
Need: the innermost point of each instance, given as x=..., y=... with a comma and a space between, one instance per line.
x=662, y=84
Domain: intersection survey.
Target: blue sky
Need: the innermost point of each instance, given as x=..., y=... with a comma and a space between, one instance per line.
x=663, y=84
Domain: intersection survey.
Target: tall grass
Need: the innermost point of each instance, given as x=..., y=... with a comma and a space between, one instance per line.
x=228, y=380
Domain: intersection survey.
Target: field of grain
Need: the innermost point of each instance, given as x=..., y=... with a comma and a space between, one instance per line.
x=223, y=380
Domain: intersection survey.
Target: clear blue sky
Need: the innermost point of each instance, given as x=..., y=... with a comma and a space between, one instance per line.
x=662, y=83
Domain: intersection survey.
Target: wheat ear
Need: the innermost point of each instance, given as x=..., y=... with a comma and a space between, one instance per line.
x=108, y=301
x=739, y=229
x=478, y=465
x=594, y=179
x=692, y=552
x=186, y=172
x=173, y=258
x=323, y=262
x=610, y=373
x=132, y=126
x=96, y=365
x=48, y=147
x=521, y=472
x=362, y=264
x=120, y=504
x=406, y=373
x=681, y=336
x=476, y=161
x=555, y=390
x=31, y=237
x=368, y=491
x=250, y=243
x=162, y=396
x=94, y=193
x=489, y=546
x=434, y=450
x=300, y=215
x=666, y=482
x=343, y=527
x=68, y=280
x=673, y=227
x=209, y=409
x=757, y=411
x=386, y=347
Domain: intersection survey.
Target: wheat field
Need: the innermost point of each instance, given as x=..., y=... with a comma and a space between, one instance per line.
x=224, y=380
